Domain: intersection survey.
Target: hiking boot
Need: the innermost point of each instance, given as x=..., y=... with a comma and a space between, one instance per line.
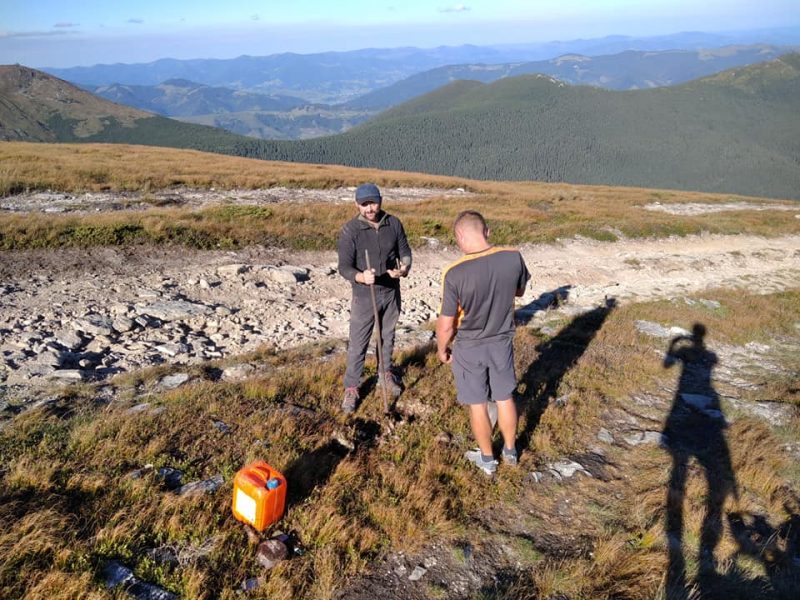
x=350, y=400
x=510, y=457
x=392, y=384
x=474, y=456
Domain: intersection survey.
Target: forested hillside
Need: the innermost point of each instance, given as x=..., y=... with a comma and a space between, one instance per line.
x=736, y=132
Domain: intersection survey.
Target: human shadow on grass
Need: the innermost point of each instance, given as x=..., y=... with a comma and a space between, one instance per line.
x=777, y=549
x=312, y=470
x=695, y=431
x=552, y=299
x=315, y=468
x=770, y=569
x=557, y=356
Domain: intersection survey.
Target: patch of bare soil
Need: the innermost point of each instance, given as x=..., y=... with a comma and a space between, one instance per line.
x=61, y=202
x=699, y=208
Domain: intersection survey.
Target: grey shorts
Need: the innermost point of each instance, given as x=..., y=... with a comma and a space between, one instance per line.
x=484, y=372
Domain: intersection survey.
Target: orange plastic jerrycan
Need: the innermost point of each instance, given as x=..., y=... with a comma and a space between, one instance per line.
x=259, y=495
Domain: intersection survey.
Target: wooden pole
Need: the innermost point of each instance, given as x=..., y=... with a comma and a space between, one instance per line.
x=381, y=372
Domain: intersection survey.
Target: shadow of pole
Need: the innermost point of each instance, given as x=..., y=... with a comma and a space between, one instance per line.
x=695, y=430
x=556, y=357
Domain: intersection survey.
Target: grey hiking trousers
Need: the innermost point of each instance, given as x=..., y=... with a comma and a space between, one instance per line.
x=362, y=320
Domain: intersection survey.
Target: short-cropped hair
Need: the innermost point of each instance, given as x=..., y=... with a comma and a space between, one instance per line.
x=470, y=218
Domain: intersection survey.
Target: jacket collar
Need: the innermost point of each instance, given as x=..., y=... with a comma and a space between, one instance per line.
x=364, y=223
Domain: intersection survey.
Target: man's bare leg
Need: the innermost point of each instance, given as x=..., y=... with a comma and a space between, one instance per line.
x=507, y=421
x=481, y=427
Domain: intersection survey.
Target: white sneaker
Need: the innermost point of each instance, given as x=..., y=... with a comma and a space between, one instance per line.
x=474, y=456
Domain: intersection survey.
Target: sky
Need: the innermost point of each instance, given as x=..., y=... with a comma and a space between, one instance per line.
x=65, y=33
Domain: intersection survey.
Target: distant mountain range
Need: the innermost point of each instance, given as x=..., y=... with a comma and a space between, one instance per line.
x=184, y=98
x=736, y=132
x=285, y=117
x=35, y=106
x=629, y=70
x=237, y=111
x=336, y=77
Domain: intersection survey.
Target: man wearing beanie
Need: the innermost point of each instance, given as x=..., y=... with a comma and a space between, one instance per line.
x=382, y=236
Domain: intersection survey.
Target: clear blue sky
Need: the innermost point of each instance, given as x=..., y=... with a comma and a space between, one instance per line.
x=61, y=33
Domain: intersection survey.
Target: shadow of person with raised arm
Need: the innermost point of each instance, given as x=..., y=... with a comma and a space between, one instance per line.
x=552, y=299
x=695, y=428
x=556, y=357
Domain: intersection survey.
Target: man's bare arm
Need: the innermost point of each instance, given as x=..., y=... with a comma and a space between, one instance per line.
x=445, y=332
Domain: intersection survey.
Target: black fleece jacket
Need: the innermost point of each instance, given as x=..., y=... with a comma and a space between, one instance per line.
x=386, y=245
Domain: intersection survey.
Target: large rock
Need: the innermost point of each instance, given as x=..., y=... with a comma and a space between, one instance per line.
x=173, y=310
x=172, y=349
x=94, y=324
x=67, y=375
x=567, y=468
x=170, y=382
x=197, y=488
x=237, y=372
x=117, y=574
x=656, y=330
x=271, y=552
x=70, y=339
x=287, y=274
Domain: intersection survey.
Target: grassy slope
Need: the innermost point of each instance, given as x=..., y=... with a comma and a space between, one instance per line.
x=519, y=212
x=69, y=506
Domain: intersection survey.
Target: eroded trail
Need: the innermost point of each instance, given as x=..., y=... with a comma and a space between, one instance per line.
x=100, y=311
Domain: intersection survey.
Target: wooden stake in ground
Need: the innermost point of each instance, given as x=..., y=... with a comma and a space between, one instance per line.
x=379, y=344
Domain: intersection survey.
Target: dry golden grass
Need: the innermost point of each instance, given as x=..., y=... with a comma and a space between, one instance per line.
x=627, y=514
x=519, y=212
x=119, y=167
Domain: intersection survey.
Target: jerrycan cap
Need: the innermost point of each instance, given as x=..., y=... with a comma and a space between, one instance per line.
x=273, y=483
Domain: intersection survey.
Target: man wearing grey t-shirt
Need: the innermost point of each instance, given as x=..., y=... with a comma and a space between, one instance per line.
x=477, y=317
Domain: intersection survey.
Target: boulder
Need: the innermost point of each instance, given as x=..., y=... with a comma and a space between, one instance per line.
x=94, y=324
x=236, y=372
x=173, y=310
x=170, y=382
x=196, y=488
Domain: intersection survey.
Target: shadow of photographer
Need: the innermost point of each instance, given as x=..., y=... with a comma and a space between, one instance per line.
x=695, y=429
